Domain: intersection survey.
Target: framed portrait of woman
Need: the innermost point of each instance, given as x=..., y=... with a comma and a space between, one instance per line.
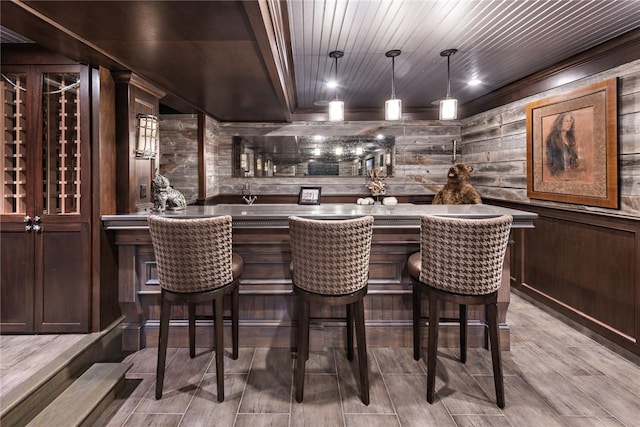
x=572, y=147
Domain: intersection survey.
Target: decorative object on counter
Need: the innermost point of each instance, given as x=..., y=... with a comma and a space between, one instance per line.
x=309, y=196
x=247, y=197
x=458, y=189
x=366, y=201
x=164, y=196
x=376, y=184
x=389, y=201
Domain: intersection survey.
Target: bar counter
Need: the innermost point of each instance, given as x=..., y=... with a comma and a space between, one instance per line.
x=266, y=299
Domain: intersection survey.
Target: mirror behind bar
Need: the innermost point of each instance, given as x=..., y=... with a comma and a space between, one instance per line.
x=300, y=156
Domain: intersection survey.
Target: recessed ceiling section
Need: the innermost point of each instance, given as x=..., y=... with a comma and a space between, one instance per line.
x=498, y=42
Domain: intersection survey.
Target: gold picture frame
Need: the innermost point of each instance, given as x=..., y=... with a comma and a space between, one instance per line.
x=572, y=147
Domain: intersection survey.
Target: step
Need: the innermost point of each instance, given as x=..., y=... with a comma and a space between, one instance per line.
x=26, y=400
x=85, y=399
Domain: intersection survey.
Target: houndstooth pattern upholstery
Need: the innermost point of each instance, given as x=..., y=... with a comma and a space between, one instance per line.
x=194, y=254
x=464, y=256
x=330, y=257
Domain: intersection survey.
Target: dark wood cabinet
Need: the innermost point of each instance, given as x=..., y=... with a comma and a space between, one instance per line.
x=46, y=208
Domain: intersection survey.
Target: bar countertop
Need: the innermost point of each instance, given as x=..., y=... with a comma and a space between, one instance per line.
x=276, y=215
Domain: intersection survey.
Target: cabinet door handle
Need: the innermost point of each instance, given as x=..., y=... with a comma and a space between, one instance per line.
x=37, y=219
x=28, y=228
x=37, y=228
x=27, y=219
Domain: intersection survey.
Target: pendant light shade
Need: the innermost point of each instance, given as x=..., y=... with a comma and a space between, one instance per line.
x=393, y=106
x=336, y=107
x=336, y=111
x=448, y=106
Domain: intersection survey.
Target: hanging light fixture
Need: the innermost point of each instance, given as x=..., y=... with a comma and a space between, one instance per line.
x=336, y=107
x=393, y=106
x=448, y=106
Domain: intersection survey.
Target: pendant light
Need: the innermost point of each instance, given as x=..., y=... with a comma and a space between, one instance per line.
x=393, y=106
x=448, y=106
x=336, y=107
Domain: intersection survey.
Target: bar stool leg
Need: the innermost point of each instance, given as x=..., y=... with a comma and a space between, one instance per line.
x=494, y=338
x=432, y=351
x=191, y=307
x=303, y=347
x=463, y=333
x=350, y=332
x=417, y=317
x=165, y=312
x=362, y=351
x=219, y=343
x=235, y=308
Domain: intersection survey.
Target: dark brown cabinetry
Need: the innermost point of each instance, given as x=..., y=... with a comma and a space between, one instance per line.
x=45, y=239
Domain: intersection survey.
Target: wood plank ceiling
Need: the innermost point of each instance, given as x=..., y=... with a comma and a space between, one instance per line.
x=268, y=60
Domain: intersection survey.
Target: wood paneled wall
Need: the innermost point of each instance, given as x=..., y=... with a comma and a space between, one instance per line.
x=495, y=144
x=583, y=261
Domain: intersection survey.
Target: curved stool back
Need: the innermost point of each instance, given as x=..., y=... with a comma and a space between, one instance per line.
x=330, y=265
x=195, y=264
x=460, y=261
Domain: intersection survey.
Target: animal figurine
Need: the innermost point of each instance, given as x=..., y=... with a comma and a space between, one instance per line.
x=164, y=196
x=458, y=189
x=376, y=184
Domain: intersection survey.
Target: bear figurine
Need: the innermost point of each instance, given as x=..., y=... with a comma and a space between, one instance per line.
x=458, y=189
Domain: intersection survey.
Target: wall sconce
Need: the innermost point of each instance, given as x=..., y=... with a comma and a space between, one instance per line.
x=147, y=142
x=244, y=162
x=448, y=106
x=393, y=106
x=259, y=164
x=336, y=107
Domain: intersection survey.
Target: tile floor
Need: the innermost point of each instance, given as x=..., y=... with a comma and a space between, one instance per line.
x=554, y=376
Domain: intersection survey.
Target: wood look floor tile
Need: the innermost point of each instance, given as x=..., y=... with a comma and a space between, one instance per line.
x=145, y=361
x=263, y=420
x=370, y=420
x=557, y=390
x=612, y=396
x=349, y=380
x=155, y=420
x=408, y=393
x=459, y=390
x=241, y=365
x=321, y=404
x=610, y=364
x=321, y=362
x=397, y=360
x=591, y=422
x=523, y=406
x=481, y=421
x=181, y=380
x=205, y=406
x=269, y=384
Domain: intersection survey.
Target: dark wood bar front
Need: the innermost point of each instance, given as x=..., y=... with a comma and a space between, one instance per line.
x=266, y=299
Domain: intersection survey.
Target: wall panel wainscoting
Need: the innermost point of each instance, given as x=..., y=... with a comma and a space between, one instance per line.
x=586, y=266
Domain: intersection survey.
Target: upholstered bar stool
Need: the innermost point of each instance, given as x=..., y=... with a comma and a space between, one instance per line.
x=460, y=261
x=196, y=264
x=330, y=265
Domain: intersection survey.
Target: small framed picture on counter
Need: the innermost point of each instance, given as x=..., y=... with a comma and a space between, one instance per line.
x=309, y=196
